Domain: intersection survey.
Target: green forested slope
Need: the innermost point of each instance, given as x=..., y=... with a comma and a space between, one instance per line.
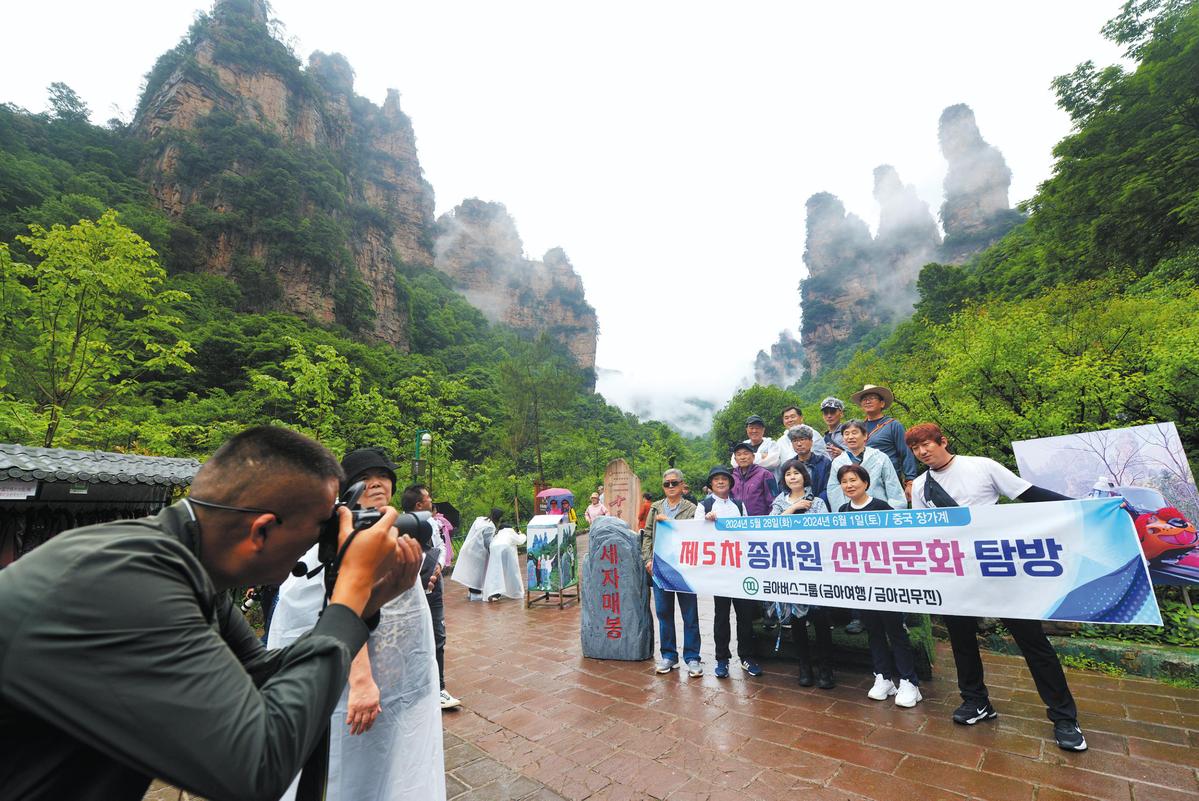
x=110, y=339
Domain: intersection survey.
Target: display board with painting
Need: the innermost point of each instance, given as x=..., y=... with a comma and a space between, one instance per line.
x=1147, y=467
x=551, y=557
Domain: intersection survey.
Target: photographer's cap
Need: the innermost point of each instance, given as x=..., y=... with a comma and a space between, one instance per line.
x=357, y=462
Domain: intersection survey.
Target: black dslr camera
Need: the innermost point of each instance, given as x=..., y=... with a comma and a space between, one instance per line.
x=415, y=525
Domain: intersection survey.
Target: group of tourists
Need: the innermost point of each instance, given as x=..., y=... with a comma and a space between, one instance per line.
x=862, y=464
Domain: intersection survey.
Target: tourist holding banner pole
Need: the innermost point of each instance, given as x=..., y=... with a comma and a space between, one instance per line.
x=673, y=507
x=954, y=480
x=720, y=505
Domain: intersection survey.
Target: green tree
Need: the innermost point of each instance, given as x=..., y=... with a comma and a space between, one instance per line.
x=322, y=394
x=728, y=426
x=536, y=383
x=66, y=104
x=85, y=321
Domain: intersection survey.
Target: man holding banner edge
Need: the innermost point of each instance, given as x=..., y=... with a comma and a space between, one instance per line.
x=953, y=480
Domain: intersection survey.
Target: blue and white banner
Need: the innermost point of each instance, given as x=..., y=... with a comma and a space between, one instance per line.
x=1067, y=560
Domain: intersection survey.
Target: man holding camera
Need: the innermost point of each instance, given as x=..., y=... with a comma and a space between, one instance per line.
x=123, y=657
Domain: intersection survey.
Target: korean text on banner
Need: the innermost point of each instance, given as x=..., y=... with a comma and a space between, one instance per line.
x=1067, y=560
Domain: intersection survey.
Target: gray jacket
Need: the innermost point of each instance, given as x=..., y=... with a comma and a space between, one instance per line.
x=686, y=512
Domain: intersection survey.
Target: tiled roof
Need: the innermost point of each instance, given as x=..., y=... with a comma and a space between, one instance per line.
x=93, y=467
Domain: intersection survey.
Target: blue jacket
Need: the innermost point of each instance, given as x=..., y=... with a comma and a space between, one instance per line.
x=886, y=434
x=819, y=466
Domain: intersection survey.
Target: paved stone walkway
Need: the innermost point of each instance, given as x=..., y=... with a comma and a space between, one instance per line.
x=588, y=729
x=541, y=723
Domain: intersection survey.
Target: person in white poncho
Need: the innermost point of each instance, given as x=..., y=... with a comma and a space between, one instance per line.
x=487, y=563
x=385, y=734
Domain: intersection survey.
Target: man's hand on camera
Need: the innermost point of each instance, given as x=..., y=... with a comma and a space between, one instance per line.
x=363, y=706
x=369, y=558
x=405, y=571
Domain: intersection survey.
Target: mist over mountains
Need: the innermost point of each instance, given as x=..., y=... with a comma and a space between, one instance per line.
x=857, y=281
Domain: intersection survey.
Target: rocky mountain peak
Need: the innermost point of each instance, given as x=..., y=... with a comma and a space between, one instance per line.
x=479, y=247
x=976, y=211
x=856, y=282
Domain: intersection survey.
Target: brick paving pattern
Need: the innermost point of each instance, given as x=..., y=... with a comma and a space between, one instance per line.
x=540, y=722
x=599, y=730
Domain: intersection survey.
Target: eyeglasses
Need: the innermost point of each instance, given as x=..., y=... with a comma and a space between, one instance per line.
x=248, y=509
x=671, y=483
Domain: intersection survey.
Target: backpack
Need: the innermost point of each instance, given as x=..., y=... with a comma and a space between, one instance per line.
x=710, y=501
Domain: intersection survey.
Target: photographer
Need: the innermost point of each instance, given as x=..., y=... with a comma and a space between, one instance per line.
x=385, y=734
x=123, y=657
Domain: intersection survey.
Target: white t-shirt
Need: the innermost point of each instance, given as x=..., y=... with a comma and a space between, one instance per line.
x=971, y=481
x=723, y=507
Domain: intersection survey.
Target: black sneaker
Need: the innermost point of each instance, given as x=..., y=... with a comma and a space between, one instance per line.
x=970, y=713
x=1069, y=736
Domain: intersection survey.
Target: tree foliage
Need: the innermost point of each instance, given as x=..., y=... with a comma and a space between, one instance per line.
x=86, y=319
x=768, y=402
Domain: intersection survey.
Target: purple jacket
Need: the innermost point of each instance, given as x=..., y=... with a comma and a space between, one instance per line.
x=754, y=488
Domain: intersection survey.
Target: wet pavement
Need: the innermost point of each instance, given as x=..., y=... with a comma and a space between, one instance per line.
x=589, y=729
x=540, y=722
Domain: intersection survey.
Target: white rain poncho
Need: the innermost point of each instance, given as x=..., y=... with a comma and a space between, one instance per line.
x=470, y=563
x=504, y=576
x=401, y=757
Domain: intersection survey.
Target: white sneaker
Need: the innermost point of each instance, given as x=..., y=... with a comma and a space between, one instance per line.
x=908, y=694
x=666, y=665
x=883, y=688
x=448, y=701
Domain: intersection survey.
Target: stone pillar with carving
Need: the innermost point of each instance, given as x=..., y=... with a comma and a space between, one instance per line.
x=622, y=492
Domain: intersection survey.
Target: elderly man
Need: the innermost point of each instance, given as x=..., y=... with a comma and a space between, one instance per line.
x=673, y=507
x=755, y=486
x=885, y=433
x=792, y=417
x=802, y=440
x=154, y=671
x=833, y=411
x=766, y=451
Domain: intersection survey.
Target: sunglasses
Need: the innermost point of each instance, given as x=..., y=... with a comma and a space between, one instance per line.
x=671, y=483
x=247, y=509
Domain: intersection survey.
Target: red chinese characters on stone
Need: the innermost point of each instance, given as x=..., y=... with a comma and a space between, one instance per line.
x=611, y=600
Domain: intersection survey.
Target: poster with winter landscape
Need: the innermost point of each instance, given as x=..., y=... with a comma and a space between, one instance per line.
x=1147, y=466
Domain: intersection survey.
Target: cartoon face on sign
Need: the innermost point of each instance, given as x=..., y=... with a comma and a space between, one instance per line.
x=1162, y=529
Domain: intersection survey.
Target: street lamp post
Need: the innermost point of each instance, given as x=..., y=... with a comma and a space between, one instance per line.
x=422, y=437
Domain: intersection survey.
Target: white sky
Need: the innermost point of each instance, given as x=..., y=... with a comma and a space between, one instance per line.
x=669, y=147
